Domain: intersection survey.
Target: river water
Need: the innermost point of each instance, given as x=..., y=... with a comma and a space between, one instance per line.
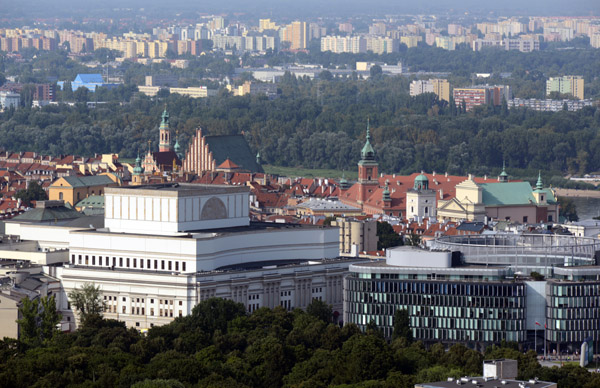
x=587, y=207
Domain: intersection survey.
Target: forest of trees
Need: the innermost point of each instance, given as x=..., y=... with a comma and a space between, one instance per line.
x=322, y=124
x=220, y=345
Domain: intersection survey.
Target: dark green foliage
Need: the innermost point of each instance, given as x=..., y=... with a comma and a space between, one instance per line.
x=220, y=345
x=387, y=236
x=321, y=123
x=38, y=321
x=402, y=326
x=320, y=310
x=568, y=209
x=34, y=192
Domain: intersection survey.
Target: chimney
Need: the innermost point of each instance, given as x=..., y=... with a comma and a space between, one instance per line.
x=446, y=174
x=433, y=173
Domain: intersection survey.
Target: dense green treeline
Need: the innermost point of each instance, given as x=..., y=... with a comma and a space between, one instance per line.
x=321, y=124
x=220, y=345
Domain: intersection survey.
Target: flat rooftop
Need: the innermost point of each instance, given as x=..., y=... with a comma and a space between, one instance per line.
x=177, y=190
x=491, y=383
x=254, y=227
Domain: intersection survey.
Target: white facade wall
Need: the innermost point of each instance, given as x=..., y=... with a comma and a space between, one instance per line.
x=147, y=212
x=203, y=251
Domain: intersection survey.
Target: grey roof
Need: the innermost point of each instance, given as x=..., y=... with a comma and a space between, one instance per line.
x=321, y=204
x=234, y=147
x=86, y=181
x=94, y=221
x=471, y=226
x=57, y=213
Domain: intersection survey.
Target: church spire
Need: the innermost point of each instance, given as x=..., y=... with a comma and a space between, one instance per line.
x=165, y=133
x=539, y=186
x=367, y=152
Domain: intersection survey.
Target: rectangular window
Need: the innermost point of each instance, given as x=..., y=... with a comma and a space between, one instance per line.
x=141, y=263
x=87, y=260
x=79, y=259
x=114, y=261
x=176, y=266
x=183, y=266
x=124, y=309
x=134, y=263
x=170, y=265
x=120, y=261
x=162, y=264
x=152, y=311
x=128, y=262
x=155, y=264
x=100, y=261
x=72, y=259
x=93, y=260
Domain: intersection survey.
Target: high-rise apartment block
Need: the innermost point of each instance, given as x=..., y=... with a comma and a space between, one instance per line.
x=297, y=34
x=441, y=87
x=481, y=95
x=568, y=84
x=344, y=44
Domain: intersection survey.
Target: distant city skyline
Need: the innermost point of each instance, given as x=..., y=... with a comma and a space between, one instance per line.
x=309, y=8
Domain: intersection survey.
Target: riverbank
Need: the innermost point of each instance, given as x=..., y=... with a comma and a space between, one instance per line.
x=577, y=193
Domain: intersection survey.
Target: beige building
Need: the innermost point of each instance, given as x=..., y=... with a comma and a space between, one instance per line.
x=73, y=189
x=356, y=236
x=297, y=34
x=9, y=313
x=511, y=201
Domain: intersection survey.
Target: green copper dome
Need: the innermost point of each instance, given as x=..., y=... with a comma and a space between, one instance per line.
x=421, y=182
x=138, y=170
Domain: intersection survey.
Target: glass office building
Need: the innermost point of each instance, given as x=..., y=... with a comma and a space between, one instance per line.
x=483, y=294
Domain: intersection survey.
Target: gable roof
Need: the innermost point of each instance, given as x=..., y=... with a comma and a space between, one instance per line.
x=234, y=147
x=85, y=181
x=507, y=193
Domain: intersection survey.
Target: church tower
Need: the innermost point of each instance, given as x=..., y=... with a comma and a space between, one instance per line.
x=137, y=177
x=165, y=134
x=367, y=170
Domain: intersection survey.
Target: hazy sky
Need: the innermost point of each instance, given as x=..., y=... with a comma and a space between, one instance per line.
x=297, y=8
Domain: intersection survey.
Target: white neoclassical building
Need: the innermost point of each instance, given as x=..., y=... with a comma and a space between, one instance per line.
x=165, y=248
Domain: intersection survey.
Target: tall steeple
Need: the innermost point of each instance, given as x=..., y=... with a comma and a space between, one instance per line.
x=367, y=152
x=367, y=169
x=165, y=133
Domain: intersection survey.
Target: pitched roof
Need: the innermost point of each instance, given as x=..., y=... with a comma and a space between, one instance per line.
x=507, y=193
x=228, y=164
x=85, y=181
x=57, y=213
x=89, y=78
x=234, y=147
